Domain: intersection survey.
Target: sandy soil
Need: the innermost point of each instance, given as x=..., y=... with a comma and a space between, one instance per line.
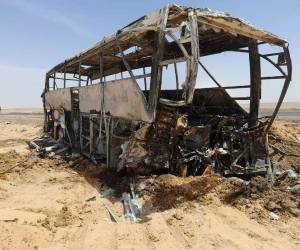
x=287, y=129
x=50, y=204
x=17, y=126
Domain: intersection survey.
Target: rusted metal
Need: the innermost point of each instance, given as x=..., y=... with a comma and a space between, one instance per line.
x=158, y=51
x=255, y=79
x=284, y=88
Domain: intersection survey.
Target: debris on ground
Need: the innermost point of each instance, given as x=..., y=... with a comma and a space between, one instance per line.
x=111, y=212
x=190, y=143
x=274, y=216
x=169, y=191
x=46, y=146
x=132, y=206
x=256, y=195
x=170, y=198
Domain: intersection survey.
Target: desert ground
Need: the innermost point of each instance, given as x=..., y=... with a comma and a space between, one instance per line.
x=48, y=203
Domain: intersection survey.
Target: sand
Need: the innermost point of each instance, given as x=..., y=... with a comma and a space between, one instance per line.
x=17, y=126
x=50, y=204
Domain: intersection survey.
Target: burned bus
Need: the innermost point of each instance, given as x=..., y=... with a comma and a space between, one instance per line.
x=108, y=102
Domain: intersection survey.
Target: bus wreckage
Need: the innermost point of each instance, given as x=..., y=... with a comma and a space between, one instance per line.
x=109, y=102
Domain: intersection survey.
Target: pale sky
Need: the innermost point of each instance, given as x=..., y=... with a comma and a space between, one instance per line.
x=36, y=35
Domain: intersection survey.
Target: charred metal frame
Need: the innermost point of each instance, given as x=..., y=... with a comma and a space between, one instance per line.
x=90, y=123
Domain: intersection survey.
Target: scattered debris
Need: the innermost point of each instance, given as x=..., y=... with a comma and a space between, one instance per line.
x=274, y=216
x=111, y=213
x=47, y=146
x=11, y=220
x=278, y=150
x=93, y=198
x=107, y=192
x=294, y=187
x=288, y=173
x=295, y=212
x=271, y=206
x=128, y=207
x=132, y=207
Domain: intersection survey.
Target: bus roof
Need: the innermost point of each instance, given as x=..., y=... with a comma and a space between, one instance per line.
x=218, y=32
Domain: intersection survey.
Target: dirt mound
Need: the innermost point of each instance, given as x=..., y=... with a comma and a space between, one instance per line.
x=233, y=187
x=258, y=197
x=284, y=142
x=288, y=130
x=169, y=191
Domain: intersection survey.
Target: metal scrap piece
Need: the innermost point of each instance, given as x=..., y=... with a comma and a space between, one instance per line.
x=111, y=213
x=132, y=207
x=128, y=207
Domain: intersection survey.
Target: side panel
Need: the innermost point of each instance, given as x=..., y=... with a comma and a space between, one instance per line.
x=122, y=98
x=60, y=98
x=90, y=98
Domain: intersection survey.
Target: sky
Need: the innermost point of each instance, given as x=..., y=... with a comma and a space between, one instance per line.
x=36, y=35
